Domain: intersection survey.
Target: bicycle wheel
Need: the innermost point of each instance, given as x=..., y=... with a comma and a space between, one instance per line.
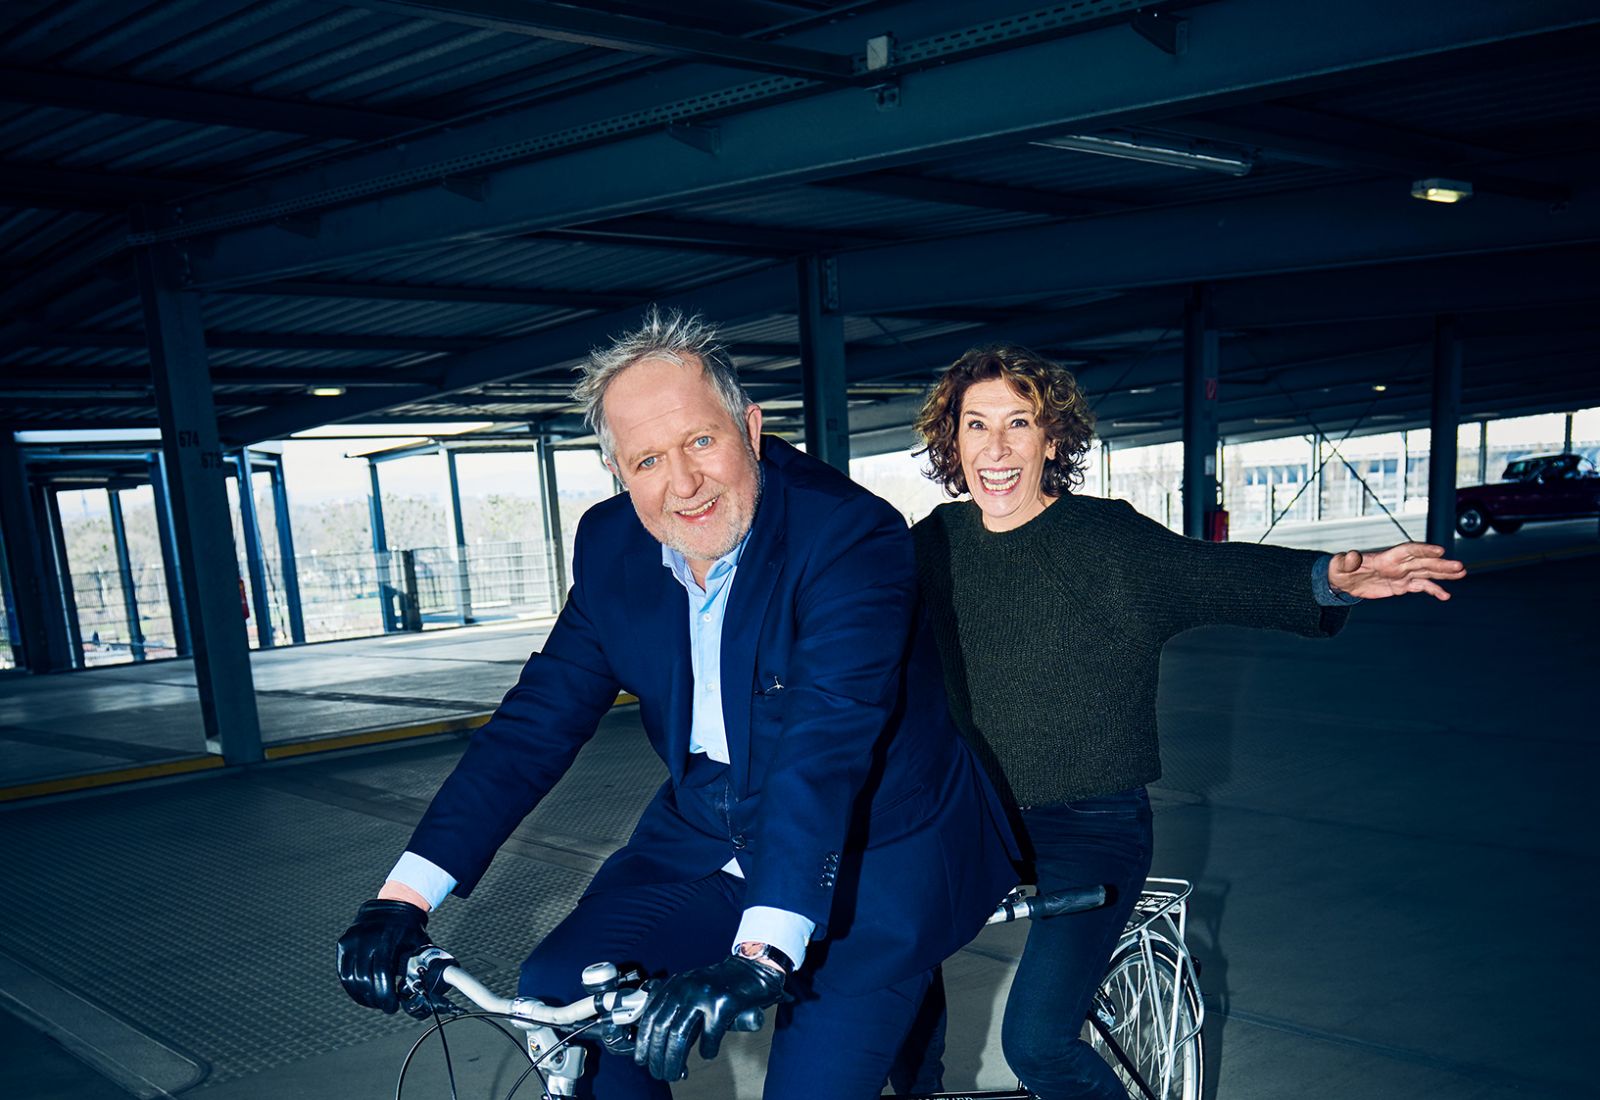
x=1135, y=1007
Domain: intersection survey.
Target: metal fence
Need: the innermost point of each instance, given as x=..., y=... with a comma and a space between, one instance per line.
x=347, y=595
x=444, y=584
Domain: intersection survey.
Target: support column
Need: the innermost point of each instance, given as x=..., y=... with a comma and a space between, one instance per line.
x=130, y=598
x=250, y=525
x=58, y=572
x=550, y=520
x=1566, y=440
x=1316, y=476
x=199, y=500
x=170, y=572
x=1446, y=414
x=380, y=552
x=1105, y=468
x=1483, y=450
x=463, y=577
x=1200, y=386
x=1405, y=469
x=287, y=567
x=822, y=363
x=40, y=633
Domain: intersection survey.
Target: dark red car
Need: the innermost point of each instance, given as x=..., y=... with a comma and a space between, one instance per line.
x=1542, y=487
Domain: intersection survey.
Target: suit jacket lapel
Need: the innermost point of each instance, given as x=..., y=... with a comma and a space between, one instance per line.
x=659, y=608
x=759, y=567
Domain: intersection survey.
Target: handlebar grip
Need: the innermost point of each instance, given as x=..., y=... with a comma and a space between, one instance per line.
x=1075, y=900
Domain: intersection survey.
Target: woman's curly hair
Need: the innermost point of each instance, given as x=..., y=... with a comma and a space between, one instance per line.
x=1058, y=405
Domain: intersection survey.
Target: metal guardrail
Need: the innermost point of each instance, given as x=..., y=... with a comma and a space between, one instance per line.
x=346, y=595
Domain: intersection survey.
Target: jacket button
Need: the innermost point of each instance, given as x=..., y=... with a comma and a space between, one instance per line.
x=738, y=840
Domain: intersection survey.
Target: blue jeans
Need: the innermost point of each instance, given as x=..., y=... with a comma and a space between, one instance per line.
x=1093, y=841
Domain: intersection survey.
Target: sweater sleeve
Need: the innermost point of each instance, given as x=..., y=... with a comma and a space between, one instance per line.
x=1178, y=583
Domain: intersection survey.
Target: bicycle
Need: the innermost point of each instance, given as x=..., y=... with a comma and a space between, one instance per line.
x=1145, y=1019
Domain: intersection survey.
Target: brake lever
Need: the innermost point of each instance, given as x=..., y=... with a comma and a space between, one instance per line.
x=423, y=991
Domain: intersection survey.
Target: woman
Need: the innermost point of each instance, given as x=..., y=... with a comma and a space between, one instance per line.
x=1051, y=611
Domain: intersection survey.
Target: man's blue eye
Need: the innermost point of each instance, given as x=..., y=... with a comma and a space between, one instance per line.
x=703, y=441
x=645, y=464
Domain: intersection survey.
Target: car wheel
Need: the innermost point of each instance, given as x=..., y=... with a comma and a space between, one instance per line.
x=1472, y=521
x=1506, y=526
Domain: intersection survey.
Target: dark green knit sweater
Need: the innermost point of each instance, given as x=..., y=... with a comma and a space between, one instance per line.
x=1051, y=634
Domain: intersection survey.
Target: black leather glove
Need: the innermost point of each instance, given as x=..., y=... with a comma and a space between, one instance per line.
x=708, y=1002
x=373, y=951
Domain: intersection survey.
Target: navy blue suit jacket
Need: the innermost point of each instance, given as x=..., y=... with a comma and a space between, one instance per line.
x=855, y=802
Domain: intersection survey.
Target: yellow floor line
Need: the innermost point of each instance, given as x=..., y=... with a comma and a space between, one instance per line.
x=107, y=779
x=272, y=752
x=376, y=737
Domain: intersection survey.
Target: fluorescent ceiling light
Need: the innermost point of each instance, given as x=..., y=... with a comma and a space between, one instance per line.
x=1143, y=390
x=91, y=435
x=1136, y=423
x=326, y=391
x=1172, y=155
x=1266, y=421
x=1441, y=190
x=1379, y=387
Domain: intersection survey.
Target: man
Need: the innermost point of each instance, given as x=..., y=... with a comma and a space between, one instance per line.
x=824, y=838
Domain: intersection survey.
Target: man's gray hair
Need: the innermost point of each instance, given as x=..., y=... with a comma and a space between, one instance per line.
x=673, y=336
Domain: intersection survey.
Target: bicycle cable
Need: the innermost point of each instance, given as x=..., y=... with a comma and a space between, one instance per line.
x=489, y=1018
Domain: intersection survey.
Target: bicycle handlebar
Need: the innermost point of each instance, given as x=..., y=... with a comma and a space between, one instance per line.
x=1077, y=899
x=432, y=970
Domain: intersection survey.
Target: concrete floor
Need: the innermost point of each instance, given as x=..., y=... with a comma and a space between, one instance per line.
x=1389, y=832
x=125, y=715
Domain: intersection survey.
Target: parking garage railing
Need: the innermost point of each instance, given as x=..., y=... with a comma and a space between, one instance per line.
x=344, y=595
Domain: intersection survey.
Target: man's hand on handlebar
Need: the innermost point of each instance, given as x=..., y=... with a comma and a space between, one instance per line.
x=709, y=1002
x=374, y=949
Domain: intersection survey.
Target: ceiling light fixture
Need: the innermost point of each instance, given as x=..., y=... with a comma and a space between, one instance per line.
x=1136, y=423
x=1379, y=387
x=1441, y=190
x=1171, y=155
x=1269, y=421
x=326, y=391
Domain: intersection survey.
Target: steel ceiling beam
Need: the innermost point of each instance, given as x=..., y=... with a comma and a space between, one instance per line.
x=1244, y=50
x=983, y=196
x=138, y=99
x=603, y=30
x=547, y=352
x=725, y=237
x=1341, y=226
x=43, y=188
x=281, y=341
x=485, y=295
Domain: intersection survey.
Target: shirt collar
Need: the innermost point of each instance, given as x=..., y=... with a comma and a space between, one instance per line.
x=720, y=568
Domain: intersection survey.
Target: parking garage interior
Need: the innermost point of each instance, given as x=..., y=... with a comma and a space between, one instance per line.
x=291, y=297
